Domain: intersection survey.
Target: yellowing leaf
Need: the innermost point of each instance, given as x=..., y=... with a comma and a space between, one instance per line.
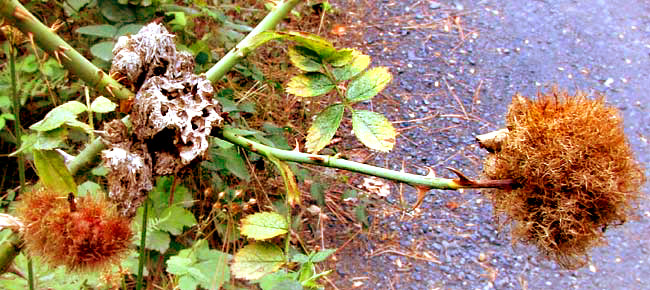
x=369, y=84
x=293, y=193
x=324, y=127
x=373, y=130
x=256, y=260
x=342, y=57
x=323, y=47
x=358, y=64
x=264, y=225
x=311, y=41
x=309, y=85
x=52, y=171
x=305, y=59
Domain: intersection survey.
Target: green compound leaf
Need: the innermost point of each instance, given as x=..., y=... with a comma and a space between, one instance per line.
x=89, y=188
x=129, y=29
x=226, y=155
x=324, y=127
x=373, y=130
x=342, y=57
x=103, y=30
x=5, y=101
x=52, y=171
x=59, y=115
x=7, y=116
x=160, y=195
x=357, y=65
x=79, y=125
x=103, y=50
x=264, y=225
x=322, y=255
x=309, y=85
x=300, y=258
x=369, y=84
x=305, y=59
x=187, y=283
x=256, y=260
x=200, y=265
x=158, y=240
x=174, y=218
x=280, y=280
x=48, y=140
x=102, y=105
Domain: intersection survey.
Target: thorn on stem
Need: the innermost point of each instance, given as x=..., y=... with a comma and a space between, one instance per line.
x=462, y=180
x=58, y=59
x=422, y=192
x=22, y=14
x=109, y=89
x=430, y=172
x=56, y=25
x=63, y=49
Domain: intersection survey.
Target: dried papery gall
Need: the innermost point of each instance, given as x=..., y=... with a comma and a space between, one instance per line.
x=130, y=168
x=149, y=53
x=574, y=170
x=175, y=117
x=83, y=234
x=173, y=114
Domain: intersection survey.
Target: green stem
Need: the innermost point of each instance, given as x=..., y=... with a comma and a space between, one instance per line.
x=143, y=243
x=90, y=114
x=9, y=249
x=30, y=273
x=91, y=151
x=21, y=159
x=86, y=155
x=230, y=134
x=21, y=18
x=16, y=108
x=247, y=45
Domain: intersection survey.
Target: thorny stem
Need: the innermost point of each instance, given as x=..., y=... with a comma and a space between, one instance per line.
x=9, y=249
x=21, y=18
x=245, y=46
x=86, y=155
x=428, y=182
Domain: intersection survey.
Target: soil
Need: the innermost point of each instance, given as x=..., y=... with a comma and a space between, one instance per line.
x=456, y=65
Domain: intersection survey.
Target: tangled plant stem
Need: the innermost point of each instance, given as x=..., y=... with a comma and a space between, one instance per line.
x=425, y=182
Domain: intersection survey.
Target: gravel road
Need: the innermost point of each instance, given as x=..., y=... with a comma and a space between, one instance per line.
x=456, y=65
